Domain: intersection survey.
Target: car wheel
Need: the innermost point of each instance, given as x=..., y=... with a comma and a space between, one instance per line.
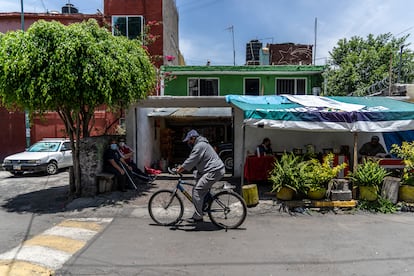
x=52, y=168
x=228, y=162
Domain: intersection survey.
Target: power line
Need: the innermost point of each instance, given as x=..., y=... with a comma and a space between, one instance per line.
x=405, y=30
x=44, y=6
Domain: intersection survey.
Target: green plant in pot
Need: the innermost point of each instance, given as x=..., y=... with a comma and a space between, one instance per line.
x=406, y=152
x=318, y=176
x=286, y=176
x=368, y=177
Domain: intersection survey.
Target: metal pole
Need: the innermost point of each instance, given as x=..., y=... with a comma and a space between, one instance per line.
x=390, y=77
x=243, y=154
x=231, y=28
x=399, y=66
x=26, y=114
x=22, y=14
x=234, y=51
x=314, y=46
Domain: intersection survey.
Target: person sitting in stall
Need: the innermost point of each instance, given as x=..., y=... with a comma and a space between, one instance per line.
x=127, y=154
x=372, y=148
x=264, y=148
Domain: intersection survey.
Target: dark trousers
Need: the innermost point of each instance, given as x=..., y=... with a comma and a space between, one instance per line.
x=138, y=173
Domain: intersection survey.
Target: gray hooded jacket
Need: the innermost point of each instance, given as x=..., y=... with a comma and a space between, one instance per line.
x=203, y=157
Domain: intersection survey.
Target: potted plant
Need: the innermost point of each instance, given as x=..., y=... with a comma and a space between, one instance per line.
x=286, y=176
x=318, y=176
x=368, y=177
x=406, y=152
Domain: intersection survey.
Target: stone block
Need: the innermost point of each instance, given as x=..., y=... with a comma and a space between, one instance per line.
x=390, y=188
x=341, y=195
x=341, y=184
x=105, y=182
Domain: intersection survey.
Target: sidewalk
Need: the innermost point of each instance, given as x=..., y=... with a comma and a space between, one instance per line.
x=31, y=198
x=138, y=199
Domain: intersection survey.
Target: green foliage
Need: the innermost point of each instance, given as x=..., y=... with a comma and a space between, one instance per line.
x=369, y=173
x=72, y=70
x=358, y=63
x=76, y=68
x=406, y=152
x=287, y=173
x=380, y=205
x=317, y=174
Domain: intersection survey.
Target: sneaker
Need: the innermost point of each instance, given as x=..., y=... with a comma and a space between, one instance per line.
x=194, y=220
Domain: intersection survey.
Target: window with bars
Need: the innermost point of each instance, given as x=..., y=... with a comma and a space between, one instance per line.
x=129, y=26
x=203, y=87
x=291, y=86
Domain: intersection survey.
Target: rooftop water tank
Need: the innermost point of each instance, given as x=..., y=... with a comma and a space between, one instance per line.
x=69, y=8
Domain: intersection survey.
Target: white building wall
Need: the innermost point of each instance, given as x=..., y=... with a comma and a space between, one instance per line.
x=141, y=136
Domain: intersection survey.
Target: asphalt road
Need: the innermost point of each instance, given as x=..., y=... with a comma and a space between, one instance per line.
x=270, y=242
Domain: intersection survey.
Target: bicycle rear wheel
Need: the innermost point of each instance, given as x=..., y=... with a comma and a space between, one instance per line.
x=227, y=210
x=165, y=207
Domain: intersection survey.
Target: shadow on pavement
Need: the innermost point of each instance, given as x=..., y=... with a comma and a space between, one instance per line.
x=57, y=199
x=195, y=227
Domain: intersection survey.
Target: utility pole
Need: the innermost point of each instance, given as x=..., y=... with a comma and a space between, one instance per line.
x=390, y=77
x=231, y=28
x=22, y=15
x=26, y=114
x=400, y=64
x=314, y=46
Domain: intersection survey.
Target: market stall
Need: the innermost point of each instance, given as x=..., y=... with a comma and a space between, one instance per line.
x=257, y=168
x=346, y=116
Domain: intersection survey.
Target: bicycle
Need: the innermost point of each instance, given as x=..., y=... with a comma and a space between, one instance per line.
x=226, y=209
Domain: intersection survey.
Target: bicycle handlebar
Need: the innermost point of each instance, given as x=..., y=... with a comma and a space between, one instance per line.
x=173, y=171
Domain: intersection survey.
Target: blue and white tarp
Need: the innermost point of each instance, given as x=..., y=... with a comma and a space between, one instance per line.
x=315, y=113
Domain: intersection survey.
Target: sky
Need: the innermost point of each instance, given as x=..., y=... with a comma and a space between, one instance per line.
x=207, y=27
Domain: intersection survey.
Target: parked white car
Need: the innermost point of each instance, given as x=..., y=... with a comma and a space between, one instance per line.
x=48, y=155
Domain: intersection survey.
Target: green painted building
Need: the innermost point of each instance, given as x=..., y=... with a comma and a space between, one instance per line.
x=240, y=80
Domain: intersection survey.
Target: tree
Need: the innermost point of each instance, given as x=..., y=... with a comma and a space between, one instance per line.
x=72, y=70
x=358, y=64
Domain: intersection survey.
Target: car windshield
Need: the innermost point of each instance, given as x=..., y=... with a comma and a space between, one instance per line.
x=44, y=147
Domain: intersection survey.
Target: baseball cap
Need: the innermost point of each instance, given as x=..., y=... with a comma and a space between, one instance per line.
x=191, y=133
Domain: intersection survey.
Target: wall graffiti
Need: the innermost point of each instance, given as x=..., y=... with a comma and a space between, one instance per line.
x=290, y=54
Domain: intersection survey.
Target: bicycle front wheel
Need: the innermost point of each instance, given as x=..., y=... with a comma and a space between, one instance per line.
x=165, y=207
x=227, y=210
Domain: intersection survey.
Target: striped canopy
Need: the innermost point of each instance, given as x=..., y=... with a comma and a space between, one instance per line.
x=315, y=113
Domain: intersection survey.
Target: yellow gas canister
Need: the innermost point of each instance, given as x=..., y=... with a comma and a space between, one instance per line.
x=250, y=195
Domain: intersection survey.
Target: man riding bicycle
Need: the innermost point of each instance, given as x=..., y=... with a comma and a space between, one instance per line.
x=210, y=169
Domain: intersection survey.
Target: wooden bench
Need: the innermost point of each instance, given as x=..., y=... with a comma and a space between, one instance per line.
x=106, y=182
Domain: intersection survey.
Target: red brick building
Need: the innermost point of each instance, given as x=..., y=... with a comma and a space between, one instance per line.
x=130, y=18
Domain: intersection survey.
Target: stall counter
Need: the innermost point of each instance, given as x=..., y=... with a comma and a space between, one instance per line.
x=258, y=168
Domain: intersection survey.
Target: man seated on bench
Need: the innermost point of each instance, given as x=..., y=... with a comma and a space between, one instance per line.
x=112, y=164
x=127, y=154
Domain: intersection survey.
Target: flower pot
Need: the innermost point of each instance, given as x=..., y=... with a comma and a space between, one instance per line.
x=317, y=194
x=368, y=193
x=285, y=193
x=406, y=193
